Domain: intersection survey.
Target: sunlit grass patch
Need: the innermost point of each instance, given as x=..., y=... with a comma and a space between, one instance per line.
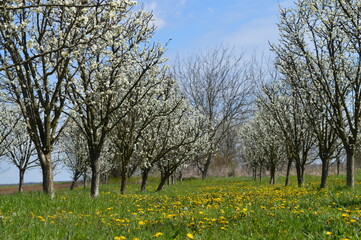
x=216, y=208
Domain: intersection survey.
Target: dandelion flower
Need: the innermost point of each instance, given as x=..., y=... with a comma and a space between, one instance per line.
x=328, y=233
x=158, y=234
x=120, y=238
x=190, y=236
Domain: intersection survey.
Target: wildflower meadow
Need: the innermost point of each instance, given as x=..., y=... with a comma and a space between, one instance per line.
x=215, y=208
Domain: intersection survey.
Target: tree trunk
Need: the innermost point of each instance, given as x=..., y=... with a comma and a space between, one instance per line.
x=254, y=173
x=338, y=163
x=85, y=179
x=95, y=181
x=145, y=173
x=299, y=174
x=206, y=166
x=173, y=178
x=123, y=180
x=72, y=184
x=272, y=174
x=21, y=179
x=324, y=175
x=303, y=174
x=180, y=178
x=105, y=178
x=162, y=182
x=289, y=164
x=260, y=172
x=48, y=175
x=76, y=176
x=350, y=155
x=116, y=170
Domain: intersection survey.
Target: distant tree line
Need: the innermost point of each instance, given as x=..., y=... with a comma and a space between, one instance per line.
x=310, y=109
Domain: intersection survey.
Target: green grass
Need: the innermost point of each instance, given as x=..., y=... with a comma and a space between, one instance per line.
x=217, y=208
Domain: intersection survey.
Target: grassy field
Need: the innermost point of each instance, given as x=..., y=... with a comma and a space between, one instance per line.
x=217, y=208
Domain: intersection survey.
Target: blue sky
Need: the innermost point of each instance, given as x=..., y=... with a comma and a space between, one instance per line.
x=10, y=175
x=195, y=25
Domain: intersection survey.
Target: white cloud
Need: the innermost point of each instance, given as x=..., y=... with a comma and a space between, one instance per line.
x=159, y=22
x=153, y=7
x=258, y=33
x=182, y=3
x=255, y=34
x=286, y=3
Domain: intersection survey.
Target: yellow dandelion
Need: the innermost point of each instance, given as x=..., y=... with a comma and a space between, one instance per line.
x=328, y=233
x=190, y=236
x=158, y=234
x=141, y=222
x=120, y=238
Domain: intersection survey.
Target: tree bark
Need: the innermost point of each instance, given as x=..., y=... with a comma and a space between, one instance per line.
x=85, y=179
x=324, y=175
x=289, y=164
x=180, y=176
x=338, y=163
x=173, y=178
x=21, y=179
x=350, y=162
x=260, y=172
x=254, y=173
x=299, y=170
x=75, y=179
x=48, y=175
x=95, y=181
x=145, y=174
x=123, y=180
x=206, y=166
x=72, y=185
x=162, y=182
x=272, y=174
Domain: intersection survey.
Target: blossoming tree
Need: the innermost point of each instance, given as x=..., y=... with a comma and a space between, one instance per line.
x=39, y=42
x=320, y=41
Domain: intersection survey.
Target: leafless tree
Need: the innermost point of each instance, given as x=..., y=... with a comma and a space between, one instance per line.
x=20, y=152
x=73, y=146
x=218, y=83
x=9, y=119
